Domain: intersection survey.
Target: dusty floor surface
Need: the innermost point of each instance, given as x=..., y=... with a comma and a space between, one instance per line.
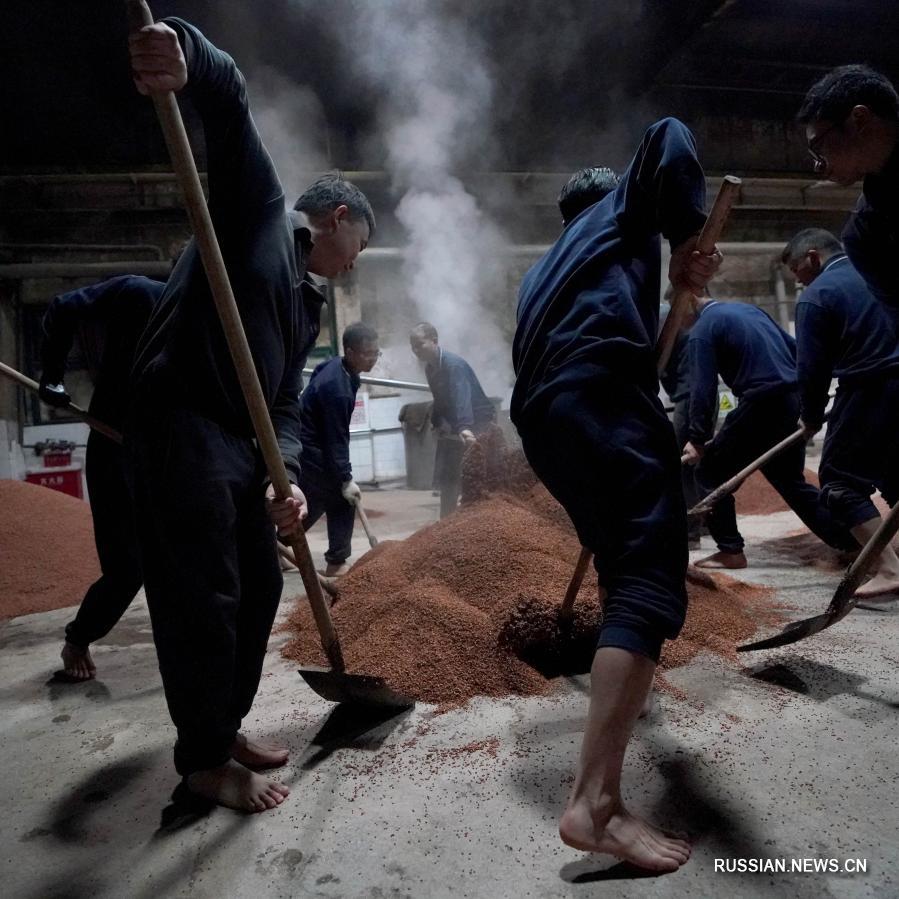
x=792, y=758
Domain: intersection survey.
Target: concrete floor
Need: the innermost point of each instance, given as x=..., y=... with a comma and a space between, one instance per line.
x=793, y=758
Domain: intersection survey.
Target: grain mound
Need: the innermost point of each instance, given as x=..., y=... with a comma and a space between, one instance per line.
x=757, y=497
x=429, y=613
x=46, y=547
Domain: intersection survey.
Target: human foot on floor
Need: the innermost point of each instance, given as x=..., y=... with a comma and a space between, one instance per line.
x=257, y=753
x=237, y=787
x=732, y=561
x=881, y=588
x=77, y=662
x=623, y=835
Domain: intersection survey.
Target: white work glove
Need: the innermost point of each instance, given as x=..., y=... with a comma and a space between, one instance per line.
x=351, y=493
x=468, y=437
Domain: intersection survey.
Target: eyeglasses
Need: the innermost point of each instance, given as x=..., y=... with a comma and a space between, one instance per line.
x=819, y=160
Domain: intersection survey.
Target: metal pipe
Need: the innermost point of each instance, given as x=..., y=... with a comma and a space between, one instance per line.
x=99, y=247
x=17, y=271
x=386, y=382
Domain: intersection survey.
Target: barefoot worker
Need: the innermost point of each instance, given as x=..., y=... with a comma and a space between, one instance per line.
x=208, y=550
x=842, y=331
x=108, y=319
x=327, y=406
x=587, y=408
x=757, y=360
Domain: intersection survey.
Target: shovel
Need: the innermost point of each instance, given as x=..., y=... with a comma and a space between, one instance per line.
x=844, y=600
x=334, y=684
x=77, y=411
x=372, y=539
x=708, y=503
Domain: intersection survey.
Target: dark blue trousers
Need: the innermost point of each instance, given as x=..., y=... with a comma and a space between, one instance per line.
x=607, y=453
x=751, y=429
x=323, y=497
x=112, y=509
x=861, y=450
x=211, y=574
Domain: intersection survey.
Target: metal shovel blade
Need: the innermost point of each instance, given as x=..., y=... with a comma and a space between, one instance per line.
x=799, y=630
x=356, y=689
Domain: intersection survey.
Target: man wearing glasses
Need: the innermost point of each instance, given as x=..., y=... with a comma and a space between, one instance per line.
x=851, y=119
x=326, y=407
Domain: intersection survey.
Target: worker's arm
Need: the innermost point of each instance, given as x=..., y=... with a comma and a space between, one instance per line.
x=460, y=401
x=870, y=243
x=285, y=415
x=663, y=189
x=59, y=325
x=243, y=184
x=336, y=405
x=703, y=390
x=816, y=350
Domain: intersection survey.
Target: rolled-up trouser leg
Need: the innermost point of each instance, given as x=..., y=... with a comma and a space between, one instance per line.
x=192, y=480
x=608, y=455
x=861, y=451
x=112, y=509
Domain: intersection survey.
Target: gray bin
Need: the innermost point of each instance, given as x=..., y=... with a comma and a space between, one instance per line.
x=420, y=443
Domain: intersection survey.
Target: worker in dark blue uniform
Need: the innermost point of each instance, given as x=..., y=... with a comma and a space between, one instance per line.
x=757, y=360
x=107, y=319
x=586, y=405
x=205, y=515
x=842, y=331
x=326, y=407
x=676, y=381
x=851, y=119
x=460, y=413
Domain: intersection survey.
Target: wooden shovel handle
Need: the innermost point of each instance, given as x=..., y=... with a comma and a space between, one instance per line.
x=708, y=237
x=372, y=539
x=220, y=286
x=706, y=504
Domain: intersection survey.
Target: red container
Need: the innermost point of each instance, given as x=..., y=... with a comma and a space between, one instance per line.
x=56, y=460
x=65, y=479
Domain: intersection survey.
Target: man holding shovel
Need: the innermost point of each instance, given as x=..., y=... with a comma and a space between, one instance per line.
x=586, y=406
x=326, y=408
x=842, y=331
x=108, y=319
x=757, y=360
x=208, y=553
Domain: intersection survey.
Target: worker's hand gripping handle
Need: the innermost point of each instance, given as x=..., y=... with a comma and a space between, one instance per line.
x=708, y=237
x=139, y=16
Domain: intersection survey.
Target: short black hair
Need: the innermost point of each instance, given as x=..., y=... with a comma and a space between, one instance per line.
x=810, y=239
x=833, y=97
x=356, y=335
x=333, y=190
x=584, y=188
x=425, y=331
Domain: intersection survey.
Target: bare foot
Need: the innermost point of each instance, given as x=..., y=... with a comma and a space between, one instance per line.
x=77, y=662
x=337, y=569
x=883, y=586
x=235, y=786
x=723, y=560
x=256, y=754
x=623, y=835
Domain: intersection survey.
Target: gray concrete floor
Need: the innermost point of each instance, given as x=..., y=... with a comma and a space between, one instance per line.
x=793, y=758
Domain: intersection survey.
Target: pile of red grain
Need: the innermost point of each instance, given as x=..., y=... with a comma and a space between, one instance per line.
x=426, y=613
x=757, y=497
x=47, y=553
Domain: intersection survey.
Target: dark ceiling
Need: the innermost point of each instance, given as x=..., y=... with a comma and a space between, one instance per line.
x=565, y=73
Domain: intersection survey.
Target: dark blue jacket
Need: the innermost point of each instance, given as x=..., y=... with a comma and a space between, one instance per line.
x=108, y=319
x=326, y=407
x=842, y=331
x=871, y=236
x=183, y=358
x=459, y=400
x=747, y=348
x=590, y=307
